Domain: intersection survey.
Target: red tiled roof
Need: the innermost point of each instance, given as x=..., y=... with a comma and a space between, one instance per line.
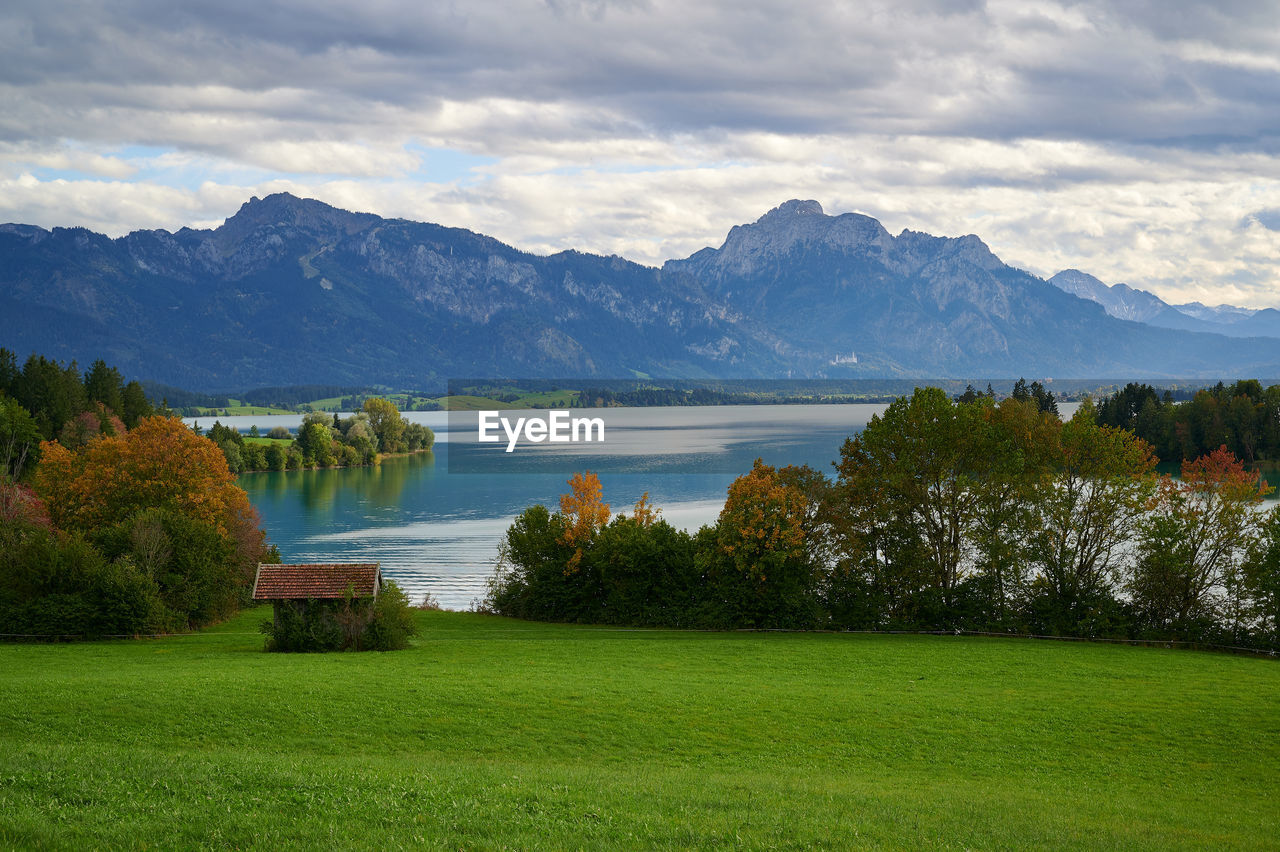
x=315, y=582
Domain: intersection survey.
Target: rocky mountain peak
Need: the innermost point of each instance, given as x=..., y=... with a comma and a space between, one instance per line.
x=792, y=208
x=282, y=209
x=1079, y=283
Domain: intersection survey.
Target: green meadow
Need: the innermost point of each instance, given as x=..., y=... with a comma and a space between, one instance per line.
x=493, y=733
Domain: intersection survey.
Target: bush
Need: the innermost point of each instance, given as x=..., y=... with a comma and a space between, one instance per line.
x=196, y=571
x=53, y=584
x=352, y=623
x=304, y=626
x=392, y=622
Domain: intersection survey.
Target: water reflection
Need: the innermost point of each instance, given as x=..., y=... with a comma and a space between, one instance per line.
x=318, y=490
x=437, y=531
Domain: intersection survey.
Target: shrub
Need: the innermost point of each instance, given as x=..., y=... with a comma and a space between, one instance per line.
x=392, y=623
x=53, y=584
x=352, y=623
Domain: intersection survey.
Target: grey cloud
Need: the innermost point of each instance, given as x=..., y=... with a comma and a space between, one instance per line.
x=936, y=68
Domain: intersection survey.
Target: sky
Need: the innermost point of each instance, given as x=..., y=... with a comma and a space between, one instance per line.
x=1137, y=141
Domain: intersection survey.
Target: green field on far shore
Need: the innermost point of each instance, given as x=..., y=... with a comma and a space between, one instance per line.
x=492, y=733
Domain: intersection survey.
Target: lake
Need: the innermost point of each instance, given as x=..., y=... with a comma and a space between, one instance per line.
x=434, y=523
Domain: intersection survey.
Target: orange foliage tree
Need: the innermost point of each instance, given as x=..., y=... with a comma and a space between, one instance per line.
x=761, y=566
x=584, y=514
x=762, y=523
x=1192, y=545
x=158, y=464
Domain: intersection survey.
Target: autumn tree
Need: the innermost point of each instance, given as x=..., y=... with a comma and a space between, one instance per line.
x=92, y=423
x=1191, y=546
x=644, y=512
x=20, y=505
x=760, y=567
x=160, y=464
x=584, y=514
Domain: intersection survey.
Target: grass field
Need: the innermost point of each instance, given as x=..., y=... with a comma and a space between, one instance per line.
x=492, y=733
x=236, y=407
x=532, y=399
x=283, y=442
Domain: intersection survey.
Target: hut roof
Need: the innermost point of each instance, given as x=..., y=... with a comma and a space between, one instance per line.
x=316, y=581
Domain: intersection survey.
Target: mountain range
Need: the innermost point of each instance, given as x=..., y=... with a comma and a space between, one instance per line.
x=1124, y=302
x=293, y=291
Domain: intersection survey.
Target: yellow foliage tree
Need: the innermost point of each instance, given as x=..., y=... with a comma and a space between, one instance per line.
x=584, y=513
x=645, y=514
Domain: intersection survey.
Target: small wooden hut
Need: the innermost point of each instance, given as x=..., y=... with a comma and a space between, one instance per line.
x=294, y=586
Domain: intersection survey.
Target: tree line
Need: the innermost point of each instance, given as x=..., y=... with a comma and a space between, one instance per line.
x=1244, y=417
x=325, y=440
x=45, y=399
x=942, y=515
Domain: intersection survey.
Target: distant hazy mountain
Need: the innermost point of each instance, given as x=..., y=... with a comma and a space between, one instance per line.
x=1120, y=300
x=1217, y=313
x=915, y=303
x=1124, y=302
x=294, y=291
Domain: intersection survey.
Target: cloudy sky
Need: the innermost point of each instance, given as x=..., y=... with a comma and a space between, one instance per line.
x=1139, y=141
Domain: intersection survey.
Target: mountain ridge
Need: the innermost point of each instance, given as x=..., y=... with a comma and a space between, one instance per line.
x=1124, y=302
x=291, y=290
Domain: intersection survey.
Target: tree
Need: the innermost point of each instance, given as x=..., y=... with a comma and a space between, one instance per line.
x=136, y=405
x=88, y=425
x=105, y=385
x=530, y=580
x=1192, y=546
x=1262, y=579
x=9, y=372
x=19, y=439
x=315, y=439
x=387, y=423
x=584, y=514
x=1083, y=518
x=160, y=464
x=1025, y=448
x=913, y=473
x=760, y=566
x=644, y=512
x=52, y=393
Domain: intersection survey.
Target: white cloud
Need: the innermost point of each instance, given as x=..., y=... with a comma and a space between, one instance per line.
x=1122, y=139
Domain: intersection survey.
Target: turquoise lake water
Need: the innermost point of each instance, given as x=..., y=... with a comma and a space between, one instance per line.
x=435, y=529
